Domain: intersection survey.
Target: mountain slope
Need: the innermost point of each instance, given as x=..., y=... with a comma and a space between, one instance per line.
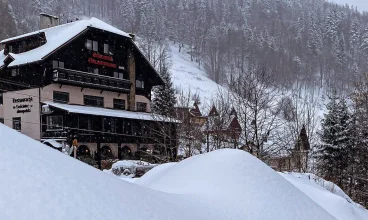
x=190, y=77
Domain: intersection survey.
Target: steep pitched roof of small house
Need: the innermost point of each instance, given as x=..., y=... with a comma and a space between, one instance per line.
x=195, y=110
x=56, y=37
x=302, y=142
x=213, y=112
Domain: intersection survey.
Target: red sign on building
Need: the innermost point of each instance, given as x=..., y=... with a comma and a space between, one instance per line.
x=103, y=60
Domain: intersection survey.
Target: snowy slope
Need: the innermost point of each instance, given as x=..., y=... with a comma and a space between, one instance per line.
x=337, y=204
x=235, y=182
x=189, y=76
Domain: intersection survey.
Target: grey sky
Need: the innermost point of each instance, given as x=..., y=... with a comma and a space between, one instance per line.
x=362, y=4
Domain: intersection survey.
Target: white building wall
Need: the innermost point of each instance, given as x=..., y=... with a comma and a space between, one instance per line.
x=26, y=105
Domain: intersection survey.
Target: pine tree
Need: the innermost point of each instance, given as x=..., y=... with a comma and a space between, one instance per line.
x=364, y=44
x=335, y=137
x=164, y=99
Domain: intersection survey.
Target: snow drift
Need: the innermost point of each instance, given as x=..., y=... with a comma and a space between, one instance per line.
x=38, y=182
x=237, y=184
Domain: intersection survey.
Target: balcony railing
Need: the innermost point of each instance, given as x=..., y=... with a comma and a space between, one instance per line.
x=90, y=80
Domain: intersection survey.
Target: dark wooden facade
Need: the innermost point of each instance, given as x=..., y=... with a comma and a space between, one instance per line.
x=118, y=67
x=77, y=57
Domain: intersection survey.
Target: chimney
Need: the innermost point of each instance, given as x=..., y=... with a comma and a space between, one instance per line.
x=47, y=21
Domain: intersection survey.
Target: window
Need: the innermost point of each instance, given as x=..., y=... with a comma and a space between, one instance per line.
x=119, y=75
x=57, y=64
x=84, y=123
x=1, y=99
x=1, y=121
x=93, y=70
x=10, y=49
x=89, y=45
x=109, y=125
x=106, y=49
x=62, y=97
x=92, y=45
x=95, y=46
x=94, y=101
x=139, y=84
x=127, y=127
x=17, y=125
x=119, y=104
x=141, y=107
x=15, y=72
x=54, y=122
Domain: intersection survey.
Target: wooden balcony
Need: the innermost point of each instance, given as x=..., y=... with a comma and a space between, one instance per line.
x=90, y=80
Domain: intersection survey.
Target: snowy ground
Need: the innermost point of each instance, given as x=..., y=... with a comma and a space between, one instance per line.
x=337, y=203
x=38, y=182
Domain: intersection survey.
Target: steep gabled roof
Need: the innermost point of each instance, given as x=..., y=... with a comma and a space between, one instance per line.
x=213, y=112
x=302, y=141
x=56, y=37
x=195, y=110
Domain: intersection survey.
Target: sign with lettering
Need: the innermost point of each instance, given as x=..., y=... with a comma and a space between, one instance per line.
x=102, y=60
x=23, y=105
x=102, y=57
x=101, y=63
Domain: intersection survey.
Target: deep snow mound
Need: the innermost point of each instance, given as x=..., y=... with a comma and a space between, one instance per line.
x=40, y=183
x=238, y=183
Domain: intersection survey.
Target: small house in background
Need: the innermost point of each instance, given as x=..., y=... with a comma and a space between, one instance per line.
x=225, y=127
x=300, y=152
x=297, y=158
x=190, y=114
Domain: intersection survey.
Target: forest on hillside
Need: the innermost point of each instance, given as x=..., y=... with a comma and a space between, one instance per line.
x=302, y=43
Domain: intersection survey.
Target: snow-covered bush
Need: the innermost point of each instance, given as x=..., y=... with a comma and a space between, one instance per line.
x=131, y=168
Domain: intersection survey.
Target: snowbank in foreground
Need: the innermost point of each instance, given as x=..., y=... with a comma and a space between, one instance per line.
x=337, y=203
x=235, y=184
x=40, y=183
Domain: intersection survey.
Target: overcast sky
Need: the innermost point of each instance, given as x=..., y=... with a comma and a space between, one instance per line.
x=362, y=4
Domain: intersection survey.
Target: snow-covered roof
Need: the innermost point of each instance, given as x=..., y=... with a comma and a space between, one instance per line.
x=56, y=37
x=53, y=142
x=2, y=57
x=88, y=110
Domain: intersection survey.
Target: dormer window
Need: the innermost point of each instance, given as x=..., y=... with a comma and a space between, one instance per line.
x=10, y=49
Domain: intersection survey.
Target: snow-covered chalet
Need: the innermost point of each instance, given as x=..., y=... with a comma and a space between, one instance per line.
x=84, y=80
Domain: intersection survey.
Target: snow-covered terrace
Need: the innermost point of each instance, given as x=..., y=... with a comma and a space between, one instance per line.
x=88, y=110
